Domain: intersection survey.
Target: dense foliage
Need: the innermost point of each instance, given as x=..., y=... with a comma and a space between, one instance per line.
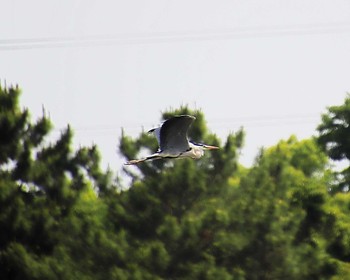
x=62, y=217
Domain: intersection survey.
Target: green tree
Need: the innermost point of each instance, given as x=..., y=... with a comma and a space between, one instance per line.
x=169, y=201
x=49, y=230
x=334, y=138
x=266, y=222
x=63, y=217
x=277, y=226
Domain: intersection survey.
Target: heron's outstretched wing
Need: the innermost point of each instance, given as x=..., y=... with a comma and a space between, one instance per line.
x=173, y=134
x=156, y=132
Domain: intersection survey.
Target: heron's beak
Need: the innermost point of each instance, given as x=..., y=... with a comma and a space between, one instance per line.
x=208, y=147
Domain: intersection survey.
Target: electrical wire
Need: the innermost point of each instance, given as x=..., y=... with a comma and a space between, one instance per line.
x=169, y=37
x=216, y=124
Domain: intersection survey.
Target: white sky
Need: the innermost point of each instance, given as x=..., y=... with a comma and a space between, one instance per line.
x=270, y=66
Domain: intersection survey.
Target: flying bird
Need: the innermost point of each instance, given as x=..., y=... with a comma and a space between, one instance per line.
x=173, y=141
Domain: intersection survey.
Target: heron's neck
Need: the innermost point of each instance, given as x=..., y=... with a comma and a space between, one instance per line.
x=197, y=151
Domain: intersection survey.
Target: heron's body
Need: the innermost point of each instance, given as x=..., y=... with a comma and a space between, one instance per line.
x=173, y=141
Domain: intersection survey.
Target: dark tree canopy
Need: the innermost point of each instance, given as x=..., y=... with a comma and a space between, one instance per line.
x=63, y=217
x=334, y=138
x=334, y=131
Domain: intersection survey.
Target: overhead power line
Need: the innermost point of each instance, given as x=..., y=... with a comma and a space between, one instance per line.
x=215, y=124
x=169, y=37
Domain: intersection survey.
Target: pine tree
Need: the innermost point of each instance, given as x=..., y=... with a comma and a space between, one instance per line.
x=46, y=192
x=63, y=217
x=333, y=137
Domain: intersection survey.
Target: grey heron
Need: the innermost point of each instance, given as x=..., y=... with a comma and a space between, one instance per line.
x=173, y=141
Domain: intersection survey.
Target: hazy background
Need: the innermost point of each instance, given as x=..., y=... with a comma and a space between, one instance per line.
x=270, y=66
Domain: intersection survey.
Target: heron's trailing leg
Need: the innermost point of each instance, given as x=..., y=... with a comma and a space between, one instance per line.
x=152, y=157
x=137, y=161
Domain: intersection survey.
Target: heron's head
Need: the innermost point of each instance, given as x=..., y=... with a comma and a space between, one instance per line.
x=204, y=146
x=198, y=149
